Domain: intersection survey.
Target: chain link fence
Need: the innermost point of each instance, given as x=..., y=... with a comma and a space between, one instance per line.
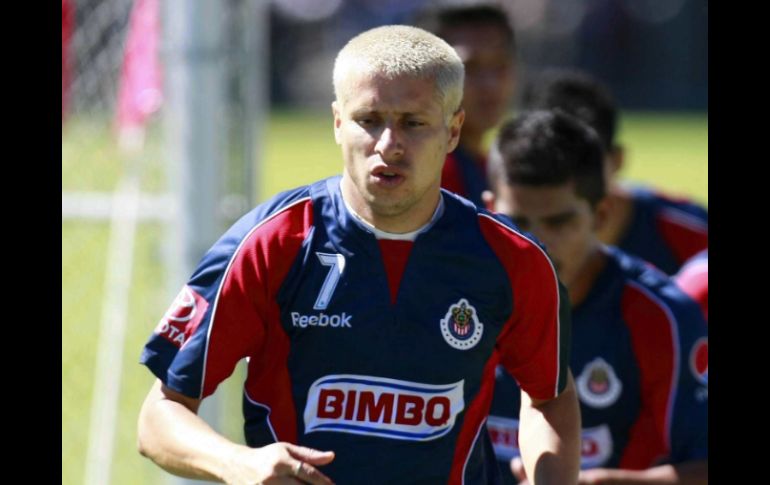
x=100, y=255
x=93, y=167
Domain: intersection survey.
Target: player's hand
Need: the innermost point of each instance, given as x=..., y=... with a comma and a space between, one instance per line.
x=517, y=468
x=278, y=464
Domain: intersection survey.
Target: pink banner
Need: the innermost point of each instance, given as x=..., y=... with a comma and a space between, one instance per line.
x=67, y=22
x=141, y=90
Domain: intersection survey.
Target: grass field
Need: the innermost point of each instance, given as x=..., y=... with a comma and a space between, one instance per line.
x=668, y=151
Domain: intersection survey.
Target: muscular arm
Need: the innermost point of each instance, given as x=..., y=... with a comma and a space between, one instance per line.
x=688, y=473
x=549, y=437
x=173, y=436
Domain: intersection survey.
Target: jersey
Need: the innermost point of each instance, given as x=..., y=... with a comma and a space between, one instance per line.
x=640, y=361
x=399, y=387
x=464, y=175
x=664, y=231
x=693, y=279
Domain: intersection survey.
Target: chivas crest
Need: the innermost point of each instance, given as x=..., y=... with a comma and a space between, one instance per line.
x=598, y=386
x=461, y=327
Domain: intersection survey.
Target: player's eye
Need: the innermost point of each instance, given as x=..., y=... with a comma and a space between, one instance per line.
x=414, y=123
x=559, y=221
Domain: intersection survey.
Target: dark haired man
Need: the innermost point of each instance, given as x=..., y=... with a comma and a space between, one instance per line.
x=661, y=229
x=484, y=39
x=639, y=345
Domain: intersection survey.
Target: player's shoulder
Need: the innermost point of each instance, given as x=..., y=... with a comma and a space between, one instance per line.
x=286, y=213
x=293, y=200
x=502, y=227
x=498, y=231
x=675, y=207
x=648, y=291
x=519, y=251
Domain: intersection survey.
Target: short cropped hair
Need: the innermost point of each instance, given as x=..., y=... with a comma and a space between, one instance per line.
x=440, y=20
x=577, y=93
x=396, y=51
x=549, y=148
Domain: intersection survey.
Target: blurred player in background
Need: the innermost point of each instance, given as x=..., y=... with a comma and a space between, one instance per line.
x=658, y=228
x=373, y=309
x=484, y=39
x=638, y=342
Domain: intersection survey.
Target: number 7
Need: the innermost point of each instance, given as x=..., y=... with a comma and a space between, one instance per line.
x=336, y=263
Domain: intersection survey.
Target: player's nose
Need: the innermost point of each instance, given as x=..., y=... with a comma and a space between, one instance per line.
x=389, y=145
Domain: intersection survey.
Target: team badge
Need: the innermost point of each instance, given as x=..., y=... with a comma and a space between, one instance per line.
x=598, y=385
x=699, y=360
x=461, y=327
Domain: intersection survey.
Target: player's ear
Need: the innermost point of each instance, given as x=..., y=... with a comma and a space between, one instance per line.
x=616, y=157
x=488, y=197
x=455, y=125
x=337, y=120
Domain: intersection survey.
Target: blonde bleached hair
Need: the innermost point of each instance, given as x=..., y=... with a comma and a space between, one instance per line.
x=395, y=51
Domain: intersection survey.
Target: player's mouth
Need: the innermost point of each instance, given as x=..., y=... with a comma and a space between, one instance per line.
x=387, y=177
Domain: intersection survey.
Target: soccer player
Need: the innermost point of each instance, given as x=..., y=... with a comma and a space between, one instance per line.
x=639, y=345
x=484, y=39
x=663, y=230
x=373, y=308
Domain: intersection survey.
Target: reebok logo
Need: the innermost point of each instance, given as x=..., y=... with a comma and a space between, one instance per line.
x=321, y=320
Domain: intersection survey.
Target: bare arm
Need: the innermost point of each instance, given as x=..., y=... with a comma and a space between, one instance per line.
x=173, y=436
x=688, y=473
x=549, y=437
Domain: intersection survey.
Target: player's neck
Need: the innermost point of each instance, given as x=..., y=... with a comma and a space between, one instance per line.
x=586, y=275
x=412, y=219
x=620, y=210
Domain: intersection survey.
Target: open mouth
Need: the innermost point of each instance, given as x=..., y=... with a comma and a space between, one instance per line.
x=387, y=176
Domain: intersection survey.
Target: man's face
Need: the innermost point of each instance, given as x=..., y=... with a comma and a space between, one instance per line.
x=557, y=216
x=489, y=73
x=394, y=140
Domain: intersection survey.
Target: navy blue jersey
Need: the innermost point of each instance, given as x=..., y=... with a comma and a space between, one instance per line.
x=640, y=360
x=664, y=231
x=398, y=384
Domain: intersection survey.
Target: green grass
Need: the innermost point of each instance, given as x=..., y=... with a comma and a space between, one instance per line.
x=91, y=160
x=668, y=151
x=83, y=254
x=299, y=149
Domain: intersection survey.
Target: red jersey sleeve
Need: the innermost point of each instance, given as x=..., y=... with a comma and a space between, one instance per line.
x=534, y=343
